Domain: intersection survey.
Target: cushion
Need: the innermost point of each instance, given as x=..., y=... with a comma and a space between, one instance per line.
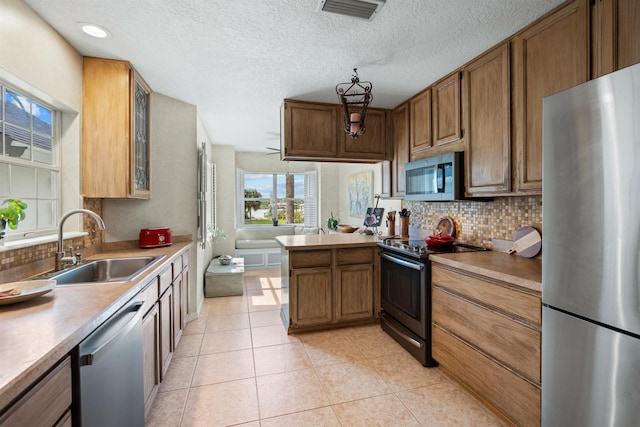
x=306, y=230
x=257, y=244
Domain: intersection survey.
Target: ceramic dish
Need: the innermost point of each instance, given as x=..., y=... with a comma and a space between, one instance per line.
x=28, y=289
x=346, y=228
x=439, y=240
x=446, y=226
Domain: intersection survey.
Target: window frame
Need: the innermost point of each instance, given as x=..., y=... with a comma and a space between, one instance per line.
x=309, y=198
x=33, y=164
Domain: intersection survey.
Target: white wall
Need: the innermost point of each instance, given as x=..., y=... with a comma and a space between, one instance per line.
x=224, y=157
x=346, y=170
x=173, y=203
x=36, y=59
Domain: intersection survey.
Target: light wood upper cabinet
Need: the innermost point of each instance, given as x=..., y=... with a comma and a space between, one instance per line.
x=116, y=150
x=615, y=35
x=315, y=131
x=372, y=144
x=445, y=109
x=309, y=130
x=549, y=56
x=487, y=97
x=420, y=123
x=401, y=150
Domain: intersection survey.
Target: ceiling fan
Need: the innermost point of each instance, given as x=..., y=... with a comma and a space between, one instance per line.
x=273, y=151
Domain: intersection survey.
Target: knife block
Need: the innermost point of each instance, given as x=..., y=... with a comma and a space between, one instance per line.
x=404, y=227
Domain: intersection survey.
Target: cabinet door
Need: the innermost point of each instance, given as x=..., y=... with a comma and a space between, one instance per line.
x=354, y=292
x=420, y=123
x=445, y=109
x=310, y=296
x=115, y=126
x=151, y=355
x=615, y=35
x=46, y=401
x=487, y=120
x=140, y=141
x=549, y=56
x=177, y=311
x=184, y=297
x=401, y=150
x=371, y=145
x=310, y=130
x=166, y=330
x=106, y=128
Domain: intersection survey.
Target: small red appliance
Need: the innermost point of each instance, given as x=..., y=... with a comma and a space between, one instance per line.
x=155, y=237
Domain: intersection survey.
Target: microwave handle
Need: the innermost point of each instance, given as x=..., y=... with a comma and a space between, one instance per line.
x=440, y=182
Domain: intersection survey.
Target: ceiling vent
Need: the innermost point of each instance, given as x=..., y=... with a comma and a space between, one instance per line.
x=360, y=9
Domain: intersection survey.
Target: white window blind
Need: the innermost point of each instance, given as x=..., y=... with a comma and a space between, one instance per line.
x=311, y=199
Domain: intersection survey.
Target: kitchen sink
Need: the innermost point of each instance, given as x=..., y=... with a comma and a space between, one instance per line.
x=105, y=270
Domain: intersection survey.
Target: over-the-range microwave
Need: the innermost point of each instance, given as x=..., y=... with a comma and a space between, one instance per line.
x=437, y=178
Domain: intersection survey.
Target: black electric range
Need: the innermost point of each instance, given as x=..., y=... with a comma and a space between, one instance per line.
x=418, y=249
x=405, y=292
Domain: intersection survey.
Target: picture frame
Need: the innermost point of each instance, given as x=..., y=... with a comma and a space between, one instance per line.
x=360, y=190
x=373, y=217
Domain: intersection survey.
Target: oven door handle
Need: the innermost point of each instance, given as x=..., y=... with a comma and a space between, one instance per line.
x=402, y=262
x=403, y=335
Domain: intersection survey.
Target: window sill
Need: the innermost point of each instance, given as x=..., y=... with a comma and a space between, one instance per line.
x=32, y=241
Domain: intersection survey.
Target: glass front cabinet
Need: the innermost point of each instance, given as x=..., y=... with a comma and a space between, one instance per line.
x=116, y=143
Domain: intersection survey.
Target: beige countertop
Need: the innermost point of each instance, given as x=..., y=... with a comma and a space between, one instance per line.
x=326, y=241
x=512, y=269
x=36, y=334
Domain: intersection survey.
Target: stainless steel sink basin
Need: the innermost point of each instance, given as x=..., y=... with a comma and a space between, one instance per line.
x=105, y=270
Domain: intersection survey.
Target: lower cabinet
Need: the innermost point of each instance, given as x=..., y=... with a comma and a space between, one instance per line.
x=311, y=297
x=150, y=355
x=332, y=286
x=354, y=292
x=46, y=403
x=486, y=334
x=165, y=313
x=166, y=329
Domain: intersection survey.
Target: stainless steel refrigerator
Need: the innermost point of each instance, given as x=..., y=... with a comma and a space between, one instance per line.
x=591, y=253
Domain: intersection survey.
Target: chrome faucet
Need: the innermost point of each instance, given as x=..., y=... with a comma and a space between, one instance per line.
x=63, y=261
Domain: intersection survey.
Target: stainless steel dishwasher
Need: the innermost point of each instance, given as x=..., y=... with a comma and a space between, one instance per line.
x=109, y=388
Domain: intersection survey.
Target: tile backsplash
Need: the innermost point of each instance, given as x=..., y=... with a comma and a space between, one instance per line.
x=26, y=256
x=477, y=222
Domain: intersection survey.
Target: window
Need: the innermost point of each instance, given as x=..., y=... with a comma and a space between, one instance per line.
x=29, y=168
x=288, y=198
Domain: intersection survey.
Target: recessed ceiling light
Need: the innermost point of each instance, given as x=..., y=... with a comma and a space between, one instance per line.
x=94, y=30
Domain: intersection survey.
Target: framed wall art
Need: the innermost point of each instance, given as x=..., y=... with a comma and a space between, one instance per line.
x=360, y=191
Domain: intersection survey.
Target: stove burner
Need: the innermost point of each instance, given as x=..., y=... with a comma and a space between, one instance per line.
x=420, y=249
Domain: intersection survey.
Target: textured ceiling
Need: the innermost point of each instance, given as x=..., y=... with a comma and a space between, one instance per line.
x=238, y=59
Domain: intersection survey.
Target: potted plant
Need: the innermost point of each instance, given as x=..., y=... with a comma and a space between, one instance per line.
x=212, y=233
x=11, y=215
x=332, y=222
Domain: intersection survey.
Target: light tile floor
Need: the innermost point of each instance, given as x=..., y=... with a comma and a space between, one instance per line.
x=236, y=365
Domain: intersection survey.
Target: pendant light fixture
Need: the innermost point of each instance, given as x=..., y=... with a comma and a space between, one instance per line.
x=355, y=98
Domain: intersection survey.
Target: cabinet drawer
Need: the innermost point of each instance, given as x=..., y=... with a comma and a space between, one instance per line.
x=354, y=256
x=512, y=301
x=185, y=260
x=516, y=398
x=177, y=266
x=304, y=259
x=149, y=295
x=45, y=403
x=511, y=342
x=166, y=277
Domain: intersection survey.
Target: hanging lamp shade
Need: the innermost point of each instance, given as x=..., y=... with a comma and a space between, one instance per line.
x=354, y=98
